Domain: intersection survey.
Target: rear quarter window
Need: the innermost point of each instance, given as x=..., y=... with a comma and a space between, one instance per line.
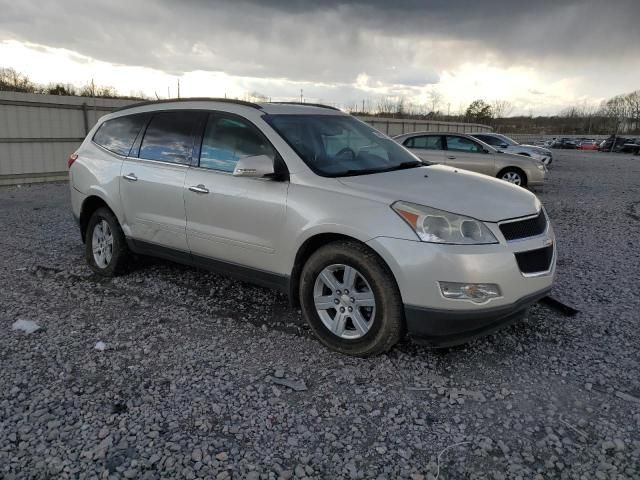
x=117, y=135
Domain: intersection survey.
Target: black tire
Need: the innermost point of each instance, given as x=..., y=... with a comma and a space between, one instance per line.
x=119, y=250
x=387, y=324
x=513, y=170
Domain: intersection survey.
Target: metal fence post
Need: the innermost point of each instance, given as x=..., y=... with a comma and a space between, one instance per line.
x=85, y=116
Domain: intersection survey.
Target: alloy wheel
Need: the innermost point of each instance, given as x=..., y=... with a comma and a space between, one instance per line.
x=512, y=177
x=102, y=244
x=344, y=301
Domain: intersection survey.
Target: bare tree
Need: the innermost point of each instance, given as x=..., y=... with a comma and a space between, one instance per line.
x=435, y=99
x=13, y=81
x=386, y=105
x=501, y=108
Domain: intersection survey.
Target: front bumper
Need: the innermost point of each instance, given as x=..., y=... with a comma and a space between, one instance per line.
x=536, y=176
x=445, y=328
x=419, y=266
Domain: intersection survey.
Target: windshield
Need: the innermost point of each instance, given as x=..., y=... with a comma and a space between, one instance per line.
x=340, y=145
x=509, y=141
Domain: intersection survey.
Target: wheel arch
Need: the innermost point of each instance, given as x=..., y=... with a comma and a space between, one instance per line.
x=308, y=247
x=90, y=205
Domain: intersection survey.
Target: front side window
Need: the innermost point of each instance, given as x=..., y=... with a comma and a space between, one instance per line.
x=340, y=145
x=117, y=135
x=462, y=144
x=169, y=137
x=427, y=142
x=227, y=139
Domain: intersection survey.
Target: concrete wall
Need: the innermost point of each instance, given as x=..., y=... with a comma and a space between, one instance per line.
x=392, y=126
x=38, y=132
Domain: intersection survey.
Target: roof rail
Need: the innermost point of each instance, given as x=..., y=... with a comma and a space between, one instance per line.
x=319, y=105
x=190, y=99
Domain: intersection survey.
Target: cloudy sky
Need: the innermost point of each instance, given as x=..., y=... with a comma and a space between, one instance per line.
x=540, y=55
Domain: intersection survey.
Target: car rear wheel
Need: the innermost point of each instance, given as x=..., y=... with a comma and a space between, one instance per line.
x=106, y=249
x=350, y=300
x=513, y=175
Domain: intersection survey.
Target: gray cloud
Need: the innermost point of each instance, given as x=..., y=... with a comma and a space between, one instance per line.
x=402, y=44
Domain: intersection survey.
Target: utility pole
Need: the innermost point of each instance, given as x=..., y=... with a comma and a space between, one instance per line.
x=301, y=96
x=168, y=92
x=178, y=88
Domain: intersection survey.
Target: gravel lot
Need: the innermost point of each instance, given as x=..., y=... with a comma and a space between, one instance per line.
x=196, y=376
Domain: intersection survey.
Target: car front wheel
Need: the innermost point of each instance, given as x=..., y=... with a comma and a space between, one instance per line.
x=513, y=175
x=350, y=300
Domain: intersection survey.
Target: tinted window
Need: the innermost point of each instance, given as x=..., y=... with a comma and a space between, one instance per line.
x=462, y=144
x=118, y=135
x=427, y=142
x=496, y=142
x=169, y=137
x=228, y=139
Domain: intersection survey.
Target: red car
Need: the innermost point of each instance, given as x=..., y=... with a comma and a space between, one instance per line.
x=588, y=145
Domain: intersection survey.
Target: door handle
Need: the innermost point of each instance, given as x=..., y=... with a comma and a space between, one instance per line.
x=131, y=177
x=451, y=157
x=199, y=188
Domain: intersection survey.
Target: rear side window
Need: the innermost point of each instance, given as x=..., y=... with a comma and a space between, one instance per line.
x=227, y=139
x=462, y=144
x=427, y=142
x=169, y=137
x=118, y=135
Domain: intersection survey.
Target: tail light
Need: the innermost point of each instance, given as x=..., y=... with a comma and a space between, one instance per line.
x=72, y=158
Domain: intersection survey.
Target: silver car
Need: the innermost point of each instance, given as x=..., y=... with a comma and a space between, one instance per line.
x=369, y=242
x=506, y=144
x=464, y=151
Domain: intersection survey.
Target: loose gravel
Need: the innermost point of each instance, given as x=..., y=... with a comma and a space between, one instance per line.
x=173, y=372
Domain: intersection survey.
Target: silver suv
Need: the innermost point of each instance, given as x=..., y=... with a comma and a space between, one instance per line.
x=367, y=240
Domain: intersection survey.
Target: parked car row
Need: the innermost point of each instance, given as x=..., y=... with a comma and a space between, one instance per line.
x=612, y=144
x=368, y=240
x=620, y=145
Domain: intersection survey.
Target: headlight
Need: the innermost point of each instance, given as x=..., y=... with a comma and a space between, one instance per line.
x=438, y=226
x=541, y=166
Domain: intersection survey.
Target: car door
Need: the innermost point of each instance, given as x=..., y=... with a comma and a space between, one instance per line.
x=152, y=181
x=234, y=220
x=428, y=148
x=462, y=152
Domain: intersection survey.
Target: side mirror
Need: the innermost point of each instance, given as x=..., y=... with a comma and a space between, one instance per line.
x=504, y=145
x=258, y=166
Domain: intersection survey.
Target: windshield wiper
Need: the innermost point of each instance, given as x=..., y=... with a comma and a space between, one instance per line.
x=366, y=171
x=403, y=165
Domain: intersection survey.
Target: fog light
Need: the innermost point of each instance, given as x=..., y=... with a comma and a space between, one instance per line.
x=476, y=292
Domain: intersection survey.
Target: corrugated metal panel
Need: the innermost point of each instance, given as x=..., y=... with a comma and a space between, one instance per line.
x=38, y=132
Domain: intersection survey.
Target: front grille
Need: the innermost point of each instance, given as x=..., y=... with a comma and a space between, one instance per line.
x=525, y=228
x=535, y=261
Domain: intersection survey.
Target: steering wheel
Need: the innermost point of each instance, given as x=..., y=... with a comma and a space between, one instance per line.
x=344, y=151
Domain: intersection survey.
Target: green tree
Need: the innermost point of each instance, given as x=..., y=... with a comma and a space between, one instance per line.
x=479, y=111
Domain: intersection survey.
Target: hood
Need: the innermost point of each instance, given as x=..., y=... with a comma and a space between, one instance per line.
x=537, y=148
x=454, y=190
